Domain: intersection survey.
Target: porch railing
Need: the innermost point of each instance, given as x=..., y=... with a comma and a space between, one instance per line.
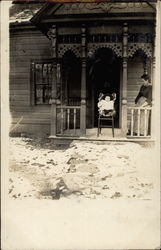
x=139, y=121
x=68, y=120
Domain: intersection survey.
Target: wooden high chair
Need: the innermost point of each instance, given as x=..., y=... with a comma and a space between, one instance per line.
x=104, y=119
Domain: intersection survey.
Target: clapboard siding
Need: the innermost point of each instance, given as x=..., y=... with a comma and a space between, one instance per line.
x=20, y=92
x=20, y=69
x=34, y=109
x=31, y=36
x=27, y=58
x=34, y=115
x=19, y=97
x=31, y=129
x=27, y=42
x=135, y=71
x=19, y=86
x=29, y=120
x=25, y=47
x=18, y=64
x=132, y=75
x=30, y=57
x=30, y=52
x=22, y=75
x=19, y=103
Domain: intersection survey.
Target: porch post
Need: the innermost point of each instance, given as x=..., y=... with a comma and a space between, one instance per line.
x=52, y=37
x=124, y=82
x=156, y=64
x=83, y=85
x=153, y=87
x=53, y=101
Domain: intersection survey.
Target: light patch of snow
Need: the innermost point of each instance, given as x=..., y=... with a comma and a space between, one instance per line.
x=84, y=170
x=25, y=14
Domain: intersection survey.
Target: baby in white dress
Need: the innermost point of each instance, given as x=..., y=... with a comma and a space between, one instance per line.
x=106, y=105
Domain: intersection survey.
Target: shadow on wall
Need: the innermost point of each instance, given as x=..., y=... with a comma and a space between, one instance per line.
x=29, y=130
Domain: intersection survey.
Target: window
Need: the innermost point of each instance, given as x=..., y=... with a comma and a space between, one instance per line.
x=42, y=81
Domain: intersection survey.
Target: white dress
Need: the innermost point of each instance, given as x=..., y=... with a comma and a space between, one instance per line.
x=105, y=105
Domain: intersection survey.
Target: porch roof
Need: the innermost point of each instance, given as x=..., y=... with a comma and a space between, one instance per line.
x=84, y=11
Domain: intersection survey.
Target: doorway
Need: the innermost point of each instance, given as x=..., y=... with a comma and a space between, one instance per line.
x=103, y=76
x=71, y=79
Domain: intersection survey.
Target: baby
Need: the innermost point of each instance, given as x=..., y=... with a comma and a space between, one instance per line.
x=106, y=105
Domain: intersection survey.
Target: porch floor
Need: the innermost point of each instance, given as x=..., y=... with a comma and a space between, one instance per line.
x=106, y=135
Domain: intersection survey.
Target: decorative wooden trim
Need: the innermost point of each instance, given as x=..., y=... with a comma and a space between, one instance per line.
x=69, y=38
x=105, y=38
x=63, y=48
x=115, y=47
x=52, y=36
x=145, y=47
x=140, y=37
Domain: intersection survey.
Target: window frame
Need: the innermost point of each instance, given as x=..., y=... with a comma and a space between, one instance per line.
x=33, y=62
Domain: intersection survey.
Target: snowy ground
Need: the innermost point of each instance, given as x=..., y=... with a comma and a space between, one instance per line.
x=83, y=170
x=85, y=196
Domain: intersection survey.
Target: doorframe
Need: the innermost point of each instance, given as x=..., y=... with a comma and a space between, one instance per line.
x=120, y=85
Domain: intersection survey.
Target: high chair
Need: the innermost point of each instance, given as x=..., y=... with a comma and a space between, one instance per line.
x=105, y=119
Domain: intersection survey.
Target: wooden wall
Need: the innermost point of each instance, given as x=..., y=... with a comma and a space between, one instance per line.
x=25, y=46
x=135, y=71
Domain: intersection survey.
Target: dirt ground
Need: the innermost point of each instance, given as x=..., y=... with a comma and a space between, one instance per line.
x=82, y=170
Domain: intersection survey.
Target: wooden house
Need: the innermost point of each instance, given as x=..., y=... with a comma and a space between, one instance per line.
x=62, y=55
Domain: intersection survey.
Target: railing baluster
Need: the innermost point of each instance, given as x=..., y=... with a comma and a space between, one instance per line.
x=145, y=122
x=62, y=121
x=68, y=118
x=149, y=131
x=132, y=121
x=139, y=119
x=138, y=127
x=75, y=120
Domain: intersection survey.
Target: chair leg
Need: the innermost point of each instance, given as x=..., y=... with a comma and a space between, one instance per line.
x=100, y=127
x=98, y=130
x=113, y=126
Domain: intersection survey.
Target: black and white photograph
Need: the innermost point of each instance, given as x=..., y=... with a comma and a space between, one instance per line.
x=80, y=124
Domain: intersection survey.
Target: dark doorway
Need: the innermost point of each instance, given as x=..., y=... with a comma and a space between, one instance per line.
x=71, y=79
x=103, y=76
